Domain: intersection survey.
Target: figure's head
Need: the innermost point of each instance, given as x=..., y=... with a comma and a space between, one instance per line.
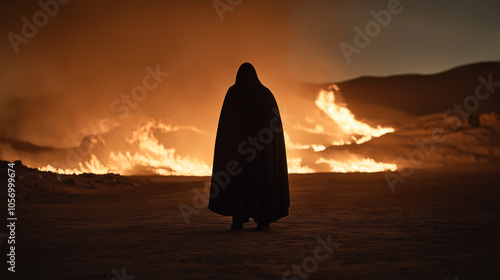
x=247, y=74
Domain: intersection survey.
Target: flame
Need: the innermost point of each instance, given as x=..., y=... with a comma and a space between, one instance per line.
x=345, y=119
x=318, y=148
x=318, y=129
x=359, y=133
x=154, y=155
x=364, y=165
x=145, y=152
x=293, y=146
x=295, y=166
x=151, y=155
x=91, y=166
x=341, y=142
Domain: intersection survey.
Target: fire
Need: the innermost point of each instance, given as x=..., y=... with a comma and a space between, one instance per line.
x=91, y=166
x=341, y=142
x=364, y=165
x=151, y=155
x=349, y=125
x=295, y=166
x=353, y=130
x=318, y=148
x=346, y=120
x=293, y=146
x=146, y=153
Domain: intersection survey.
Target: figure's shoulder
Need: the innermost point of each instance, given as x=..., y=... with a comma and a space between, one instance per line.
x=231, y=90
x=254, y=90
x=267, y=92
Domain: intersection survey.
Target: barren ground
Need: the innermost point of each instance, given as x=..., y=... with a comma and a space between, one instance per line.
x=438, y=224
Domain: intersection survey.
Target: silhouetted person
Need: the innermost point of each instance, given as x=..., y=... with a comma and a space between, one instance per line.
x=250, y=177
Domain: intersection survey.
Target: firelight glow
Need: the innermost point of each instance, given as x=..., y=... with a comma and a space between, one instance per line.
x=364, y=165
x=153, y=157
x=91, y=166
x=346, y=120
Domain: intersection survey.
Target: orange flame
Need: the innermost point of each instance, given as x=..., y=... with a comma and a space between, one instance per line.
x=154, y=155
x=295, y=166
x=346, y=120
x=158, y=159
x=151, y=155
x=364, y=165
x=91, y=166
x=293, y=146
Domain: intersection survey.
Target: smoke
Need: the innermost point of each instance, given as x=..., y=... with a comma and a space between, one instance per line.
x=78, y=75
x=90, y=54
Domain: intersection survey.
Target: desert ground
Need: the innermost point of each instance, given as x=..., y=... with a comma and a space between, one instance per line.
x=438, y=224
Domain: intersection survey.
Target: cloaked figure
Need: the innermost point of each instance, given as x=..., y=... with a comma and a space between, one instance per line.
x=250, y=177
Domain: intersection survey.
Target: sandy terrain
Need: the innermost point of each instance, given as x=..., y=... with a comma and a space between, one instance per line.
x=438, y=224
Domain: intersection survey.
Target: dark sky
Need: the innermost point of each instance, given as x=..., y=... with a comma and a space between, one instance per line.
x=65, y=78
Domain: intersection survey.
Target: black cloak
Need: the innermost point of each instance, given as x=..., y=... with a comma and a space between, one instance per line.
x=249, y=175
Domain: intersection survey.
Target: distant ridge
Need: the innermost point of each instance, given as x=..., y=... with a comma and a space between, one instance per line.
x=422, y=94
